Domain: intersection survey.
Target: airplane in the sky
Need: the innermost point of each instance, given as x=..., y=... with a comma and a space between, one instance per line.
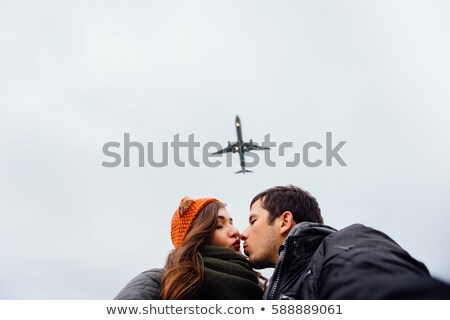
x=241, y=146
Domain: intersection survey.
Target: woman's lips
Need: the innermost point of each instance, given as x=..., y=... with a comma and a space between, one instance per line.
x=236, y=245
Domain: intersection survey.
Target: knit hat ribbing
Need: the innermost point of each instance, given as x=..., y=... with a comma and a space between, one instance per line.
x=183, y=217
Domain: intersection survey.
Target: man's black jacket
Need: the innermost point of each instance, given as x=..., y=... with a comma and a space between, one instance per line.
x=357, y=262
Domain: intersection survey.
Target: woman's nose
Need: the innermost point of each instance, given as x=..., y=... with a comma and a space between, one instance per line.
x=234, y=233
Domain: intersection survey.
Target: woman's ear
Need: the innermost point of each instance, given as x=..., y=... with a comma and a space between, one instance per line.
x=287, y=223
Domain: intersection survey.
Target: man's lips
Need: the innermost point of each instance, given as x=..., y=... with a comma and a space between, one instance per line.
x=245, y=250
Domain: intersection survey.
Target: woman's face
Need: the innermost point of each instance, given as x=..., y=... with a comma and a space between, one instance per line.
x=225, y=235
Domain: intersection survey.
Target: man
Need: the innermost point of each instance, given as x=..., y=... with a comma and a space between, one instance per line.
x=315, y=261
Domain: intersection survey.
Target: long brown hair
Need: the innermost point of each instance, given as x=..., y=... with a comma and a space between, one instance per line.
x=184, y=266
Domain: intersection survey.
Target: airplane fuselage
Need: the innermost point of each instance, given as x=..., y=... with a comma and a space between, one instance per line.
x=240, y=142
x=239, y=131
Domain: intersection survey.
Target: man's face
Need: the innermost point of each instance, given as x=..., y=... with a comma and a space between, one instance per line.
x=261, y=240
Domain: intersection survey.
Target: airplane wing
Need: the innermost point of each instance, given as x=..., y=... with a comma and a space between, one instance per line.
x=254, y=146
x=257, y=148
x=232, y=147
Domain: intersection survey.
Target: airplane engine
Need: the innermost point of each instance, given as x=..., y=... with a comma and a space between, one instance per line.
x=245, y=147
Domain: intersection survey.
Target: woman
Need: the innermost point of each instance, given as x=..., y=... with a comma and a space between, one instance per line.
x=206, y=262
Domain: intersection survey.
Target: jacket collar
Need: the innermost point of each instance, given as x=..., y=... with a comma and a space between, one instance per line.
x=298, y=248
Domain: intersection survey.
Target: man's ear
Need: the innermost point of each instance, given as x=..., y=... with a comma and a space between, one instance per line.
x=287, y=223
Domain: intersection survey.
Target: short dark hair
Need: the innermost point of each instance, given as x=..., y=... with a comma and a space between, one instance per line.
x=299, y=202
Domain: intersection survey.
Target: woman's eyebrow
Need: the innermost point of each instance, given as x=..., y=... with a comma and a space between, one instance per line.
x=223, y=218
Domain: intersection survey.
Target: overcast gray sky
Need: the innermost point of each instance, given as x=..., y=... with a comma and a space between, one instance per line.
x=77, y=74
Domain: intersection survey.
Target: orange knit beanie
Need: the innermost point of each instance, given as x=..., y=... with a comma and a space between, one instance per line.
x=183, y=217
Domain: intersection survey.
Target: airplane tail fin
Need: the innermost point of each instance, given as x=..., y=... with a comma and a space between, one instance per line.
x=243, y=171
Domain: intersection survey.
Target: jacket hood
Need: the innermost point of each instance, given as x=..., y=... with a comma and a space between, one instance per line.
x=310, y=227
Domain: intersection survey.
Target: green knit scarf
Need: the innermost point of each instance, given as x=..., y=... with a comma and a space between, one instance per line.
x=228, y=276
